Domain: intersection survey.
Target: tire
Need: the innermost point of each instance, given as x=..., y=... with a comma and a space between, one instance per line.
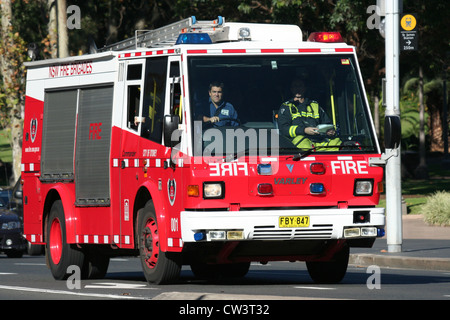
x=13, y=253
x=235, y=270
x=159, y=267
x=95, y=264
x=329, y=272
x=60, y=254
x=205, y=271
x=34, y=249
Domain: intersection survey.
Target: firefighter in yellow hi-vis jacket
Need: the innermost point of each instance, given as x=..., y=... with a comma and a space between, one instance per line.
x=299, y=120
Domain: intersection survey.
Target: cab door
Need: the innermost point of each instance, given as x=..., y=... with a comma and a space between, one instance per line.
x=175, y=102
x=133, y=95
x=174, y=179
x=129, y=160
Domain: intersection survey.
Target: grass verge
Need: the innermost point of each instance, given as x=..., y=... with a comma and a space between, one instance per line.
x=437, y=209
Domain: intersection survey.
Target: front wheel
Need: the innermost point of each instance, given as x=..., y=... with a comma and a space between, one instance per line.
x=330, y=271
x=159, y=267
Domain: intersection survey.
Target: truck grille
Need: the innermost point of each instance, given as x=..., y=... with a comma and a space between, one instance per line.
x=271, y=233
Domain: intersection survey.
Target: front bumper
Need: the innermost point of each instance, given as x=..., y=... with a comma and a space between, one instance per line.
x=264, y=224
x=12, y=241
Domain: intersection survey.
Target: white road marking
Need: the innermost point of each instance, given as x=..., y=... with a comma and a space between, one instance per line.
x=315, y=288
x=114, y=285
x=6, y=274
x=119, y=259
x=72, y=293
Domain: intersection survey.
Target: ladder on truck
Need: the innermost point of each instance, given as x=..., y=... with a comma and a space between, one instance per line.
x=165, y=36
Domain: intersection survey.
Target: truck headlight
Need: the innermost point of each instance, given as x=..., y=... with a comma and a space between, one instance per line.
x=363, y=187
x=214, y=190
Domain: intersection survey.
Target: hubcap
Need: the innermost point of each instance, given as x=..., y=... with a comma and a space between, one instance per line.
x=55, y=243
x=150, y=243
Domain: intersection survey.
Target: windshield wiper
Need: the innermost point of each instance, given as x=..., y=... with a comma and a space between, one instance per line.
x=238, y=154
x=303, y=154
x=307, y=152
x=342, y=147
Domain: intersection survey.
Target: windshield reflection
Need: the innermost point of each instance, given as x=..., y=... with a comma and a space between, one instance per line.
x=253, y=105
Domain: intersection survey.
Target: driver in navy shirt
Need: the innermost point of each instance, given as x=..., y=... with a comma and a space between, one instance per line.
x=221, y=113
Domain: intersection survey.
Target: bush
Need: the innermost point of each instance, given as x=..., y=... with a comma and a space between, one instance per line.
x=437, y=209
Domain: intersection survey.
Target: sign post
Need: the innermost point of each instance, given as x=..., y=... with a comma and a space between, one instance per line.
x=393, y=166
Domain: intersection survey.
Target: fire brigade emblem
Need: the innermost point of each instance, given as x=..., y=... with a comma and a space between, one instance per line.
x=172, y=190
x=33, y=129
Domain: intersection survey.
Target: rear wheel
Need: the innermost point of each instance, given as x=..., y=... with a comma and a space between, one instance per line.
x=95, y=264
x=159, y=267
x=330, y=271
x=34, y=249
x=60, y=254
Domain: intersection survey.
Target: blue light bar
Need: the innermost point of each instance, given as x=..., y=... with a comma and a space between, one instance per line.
x=194, y=38
x=199, y=236
x=264, y=169
x=317, y=188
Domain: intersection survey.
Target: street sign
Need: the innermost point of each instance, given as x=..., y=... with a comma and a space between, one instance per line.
x=408, y=33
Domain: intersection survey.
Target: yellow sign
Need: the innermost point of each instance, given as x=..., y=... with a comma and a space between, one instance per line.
x=408, y=22
x=293, y=221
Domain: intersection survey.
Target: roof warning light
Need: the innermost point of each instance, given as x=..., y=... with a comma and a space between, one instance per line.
x=194, y=38
x=325, y=37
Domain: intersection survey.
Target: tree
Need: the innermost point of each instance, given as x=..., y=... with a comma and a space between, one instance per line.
x=422, y=170
x=12, y=49
x=58, y=36
x=110, y=21
x=52, y=28
x=431, y=57
x=63, y=35
x=413, y=88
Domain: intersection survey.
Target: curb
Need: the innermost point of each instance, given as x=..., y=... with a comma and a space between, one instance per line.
x=438, y=264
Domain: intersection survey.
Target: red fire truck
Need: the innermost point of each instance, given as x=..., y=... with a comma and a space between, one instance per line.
x=118, y=160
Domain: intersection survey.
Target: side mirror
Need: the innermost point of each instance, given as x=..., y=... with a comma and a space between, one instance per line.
x=171, y=123
x=392, y=132
x=18, y=194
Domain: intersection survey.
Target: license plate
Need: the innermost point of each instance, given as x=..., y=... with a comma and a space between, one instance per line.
x=293, y=221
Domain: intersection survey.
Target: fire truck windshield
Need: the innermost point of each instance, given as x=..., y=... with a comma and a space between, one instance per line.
x=269, y=105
